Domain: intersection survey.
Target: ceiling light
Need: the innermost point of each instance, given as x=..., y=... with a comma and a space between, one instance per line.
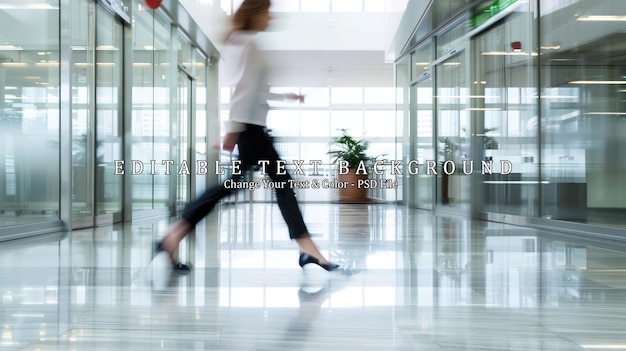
x=10, y=47
x=605, y=347
x=507, y=53
x=556, y=96
x=467, y=96
x=597, y=82
x=33, y=6
x=606, y=113
x=604, y=18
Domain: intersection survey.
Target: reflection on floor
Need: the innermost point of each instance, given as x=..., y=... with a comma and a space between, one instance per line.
x=410, y=281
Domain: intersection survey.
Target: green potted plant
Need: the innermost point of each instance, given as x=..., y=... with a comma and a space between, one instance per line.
x=353, y=152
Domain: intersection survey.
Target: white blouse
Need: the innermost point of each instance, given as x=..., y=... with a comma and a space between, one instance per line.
x=246, y=68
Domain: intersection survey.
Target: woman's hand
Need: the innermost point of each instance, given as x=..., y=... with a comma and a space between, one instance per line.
x=228, y=143
x=292, y=96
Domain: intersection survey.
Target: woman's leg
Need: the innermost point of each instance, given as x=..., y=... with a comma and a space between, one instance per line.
x=194, y=212
x=175, y=233
x=289, y=208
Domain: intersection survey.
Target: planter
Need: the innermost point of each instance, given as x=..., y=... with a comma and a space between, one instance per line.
x=352, y=193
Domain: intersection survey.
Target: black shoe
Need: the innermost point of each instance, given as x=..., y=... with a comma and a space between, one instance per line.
x=181, y=268
x=176, y=266
x=306, y=258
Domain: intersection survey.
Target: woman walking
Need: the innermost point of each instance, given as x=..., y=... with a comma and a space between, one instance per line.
x=247, y=129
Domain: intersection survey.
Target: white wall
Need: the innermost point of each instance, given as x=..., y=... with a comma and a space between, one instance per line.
x=211, y=19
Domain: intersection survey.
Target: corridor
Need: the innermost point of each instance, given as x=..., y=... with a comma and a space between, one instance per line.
x=410, y=281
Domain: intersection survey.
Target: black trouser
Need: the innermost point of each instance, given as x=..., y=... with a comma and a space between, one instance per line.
x=254, y=145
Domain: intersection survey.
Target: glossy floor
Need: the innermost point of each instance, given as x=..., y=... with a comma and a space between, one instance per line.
x=410, y=281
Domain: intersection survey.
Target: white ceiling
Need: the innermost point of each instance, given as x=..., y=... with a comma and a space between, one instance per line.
x=318, y=48
x=342, y=49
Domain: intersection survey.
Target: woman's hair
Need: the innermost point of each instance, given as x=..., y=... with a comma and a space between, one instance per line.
x=244, y=16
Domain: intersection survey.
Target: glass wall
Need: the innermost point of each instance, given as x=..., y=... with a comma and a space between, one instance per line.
x=29, y=113
x=583, y=85
x=504, y=106
x=164, y=64
x=552, y=111
x=34, y=112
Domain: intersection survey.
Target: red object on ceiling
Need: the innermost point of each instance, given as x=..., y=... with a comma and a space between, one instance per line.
x=153, y=4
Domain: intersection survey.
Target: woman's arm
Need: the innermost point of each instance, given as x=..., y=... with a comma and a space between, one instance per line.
x=287, y=96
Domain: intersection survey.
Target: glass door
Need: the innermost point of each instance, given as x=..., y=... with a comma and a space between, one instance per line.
x=83, y=138
x=97, y=103
x=453, y=123
x=185, y=162
x=109, y=105
x=490, y=120
x=504, y=118
x=422, y=143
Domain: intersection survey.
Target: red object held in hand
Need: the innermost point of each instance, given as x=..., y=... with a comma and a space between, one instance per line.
x=153, y=4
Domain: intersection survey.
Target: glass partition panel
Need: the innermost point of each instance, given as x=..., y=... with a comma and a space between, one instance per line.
x=201, y=109
x=421, y=128
x=109, y=103
x=183, y=156
x=83, y=143
x=504, y=108
x=452, y=40
x=185, y=163
x=583, y=87
x=164, y=80
x=422, y=144
x=403, y=74
x=143, y=122
x=185, y=53
x=29, y=113
x=453, y=133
